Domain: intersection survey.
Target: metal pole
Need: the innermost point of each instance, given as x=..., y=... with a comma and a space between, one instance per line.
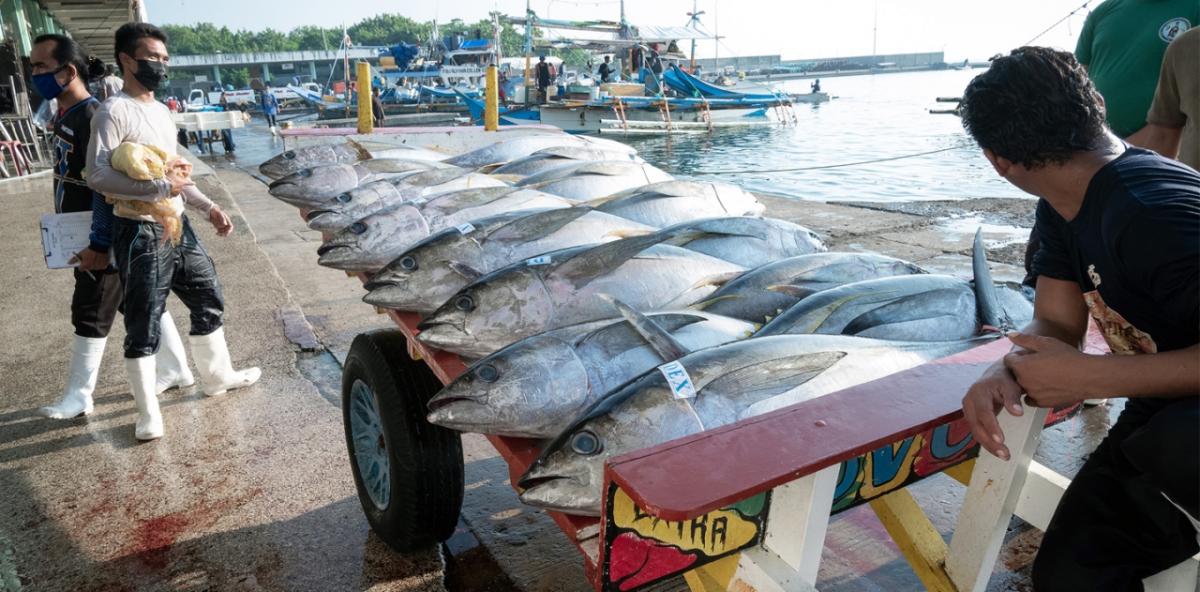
x=692, y=65
x=366, y=122
x=491, y=112
x=528, y=49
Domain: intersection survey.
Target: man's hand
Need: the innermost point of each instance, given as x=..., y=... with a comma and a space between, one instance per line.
x=994, y=390
x=220, y=220
x=90, y=260
x=1045, y=370
x=179, y=181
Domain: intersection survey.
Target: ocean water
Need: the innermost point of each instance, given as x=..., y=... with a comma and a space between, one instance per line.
x=871, y=117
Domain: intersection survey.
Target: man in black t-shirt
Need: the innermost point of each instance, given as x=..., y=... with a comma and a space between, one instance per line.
x=1120, y=243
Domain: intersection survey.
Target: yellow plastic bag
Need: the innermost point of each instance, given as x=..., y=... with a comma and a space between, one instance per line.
x=144, y=162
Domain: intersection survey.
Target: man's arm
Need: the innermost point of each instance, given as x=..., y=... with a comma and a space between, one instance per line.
x=1059, y=313
x=102, y=178
x=1163, y=139
x=1165, y=119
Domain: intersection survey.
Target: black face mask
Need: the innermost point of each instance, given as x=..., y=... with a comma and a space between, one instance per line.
x=150, y=74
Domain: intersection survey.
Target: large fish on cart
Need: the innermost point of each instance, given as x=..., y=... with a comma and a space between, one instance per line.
x=350, y=152
x=726, y=383
x=311, y=187
x=672, y=202
x=590, y=180
x=378, y=196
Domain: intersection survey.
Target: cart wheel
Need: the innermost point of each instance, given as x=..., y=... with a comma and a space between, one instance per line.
x=408, y=472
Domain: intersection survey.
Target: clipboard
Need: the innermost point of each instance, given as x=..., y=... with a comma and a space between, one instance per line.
x=64, y=235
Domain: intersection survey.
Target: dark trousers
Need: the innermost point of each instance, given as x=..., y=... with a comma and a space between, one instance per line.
x=151, y=270
x=270, y=120
x=95, y=301
x=1114, y=526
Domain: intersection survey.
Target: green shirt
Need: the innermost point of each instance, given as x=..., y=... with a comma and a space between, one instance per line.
x=1122, y=44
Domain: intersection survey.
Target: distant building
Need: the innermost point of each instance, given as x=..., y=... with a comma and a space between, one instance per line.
x=741, y=64
x=896, y=61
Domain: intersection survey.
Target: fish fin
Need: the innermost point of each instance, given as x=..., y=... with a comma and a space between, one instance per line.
x=468, y=272
x=717, y=279
x=667, y=347
x=488, y=168
x=987, y=302
x=582, y=267
x=770, y=378
x=891, y=312
x=625, y=198
x=628, y=232
x=363, y=153
x=718, y=227
x=703, y=304
x=509, y=179
x=538, y=225
x=790, y=290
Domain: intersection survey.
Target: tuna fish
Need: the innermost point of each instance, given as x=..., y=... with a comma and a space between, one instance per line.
x=298, y=159
x=370, y=243
x=311, y=187
x=748, y=242
x=673, y=202
x=346, y=208
x=731, y=382
x=590, y=180
x=921, y=307
x=434, y=269
x=549, y=158
x=536, y=386
x=566, y=287
x=765, y=291
x=512, y=149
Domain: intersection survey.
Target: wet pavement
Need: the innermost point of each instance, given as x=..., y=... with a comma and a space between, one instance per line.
x=252, y=491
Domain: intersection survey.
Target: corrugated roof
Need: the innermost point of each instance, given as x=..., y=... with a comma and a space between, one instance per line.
x=93, y=22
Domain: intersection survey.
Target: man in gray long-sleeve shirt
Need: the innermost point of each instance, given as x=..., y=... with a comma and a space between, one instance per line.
x=150, y=266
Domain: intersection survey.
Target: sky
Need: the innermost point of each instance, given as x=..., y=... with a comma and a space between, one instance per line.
x=793, y=28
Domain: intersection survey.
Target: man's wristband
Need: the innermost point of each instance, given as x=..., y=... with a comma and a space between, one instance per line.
x=102, y=249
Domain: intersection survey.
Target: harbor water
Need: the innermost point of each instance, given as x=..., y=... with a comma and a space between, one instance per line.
x=871, y=117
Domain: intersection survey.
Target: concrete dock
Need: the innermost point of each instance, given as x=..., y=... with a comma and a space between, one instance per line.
x=252, y=491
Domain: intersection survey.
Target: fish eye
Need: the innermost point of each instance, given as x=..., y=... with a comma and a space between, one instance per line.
x=487, y=373
x=290, y=154
x=306, y=173
x=343, y=198
x=586, y=443
x=358, y=228
x=408, y=263
x=465, y=303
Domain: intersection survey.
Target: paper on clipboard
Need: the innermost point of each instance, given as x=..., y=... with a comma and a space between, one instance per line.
x=64, y=235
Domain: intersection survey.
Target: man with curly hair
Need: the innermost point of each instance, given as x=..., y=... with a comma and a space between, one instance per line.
x=1121, y=242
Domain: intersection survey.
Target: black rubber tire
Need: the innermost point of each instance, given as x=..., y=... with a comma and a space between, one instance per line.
x=425, y=461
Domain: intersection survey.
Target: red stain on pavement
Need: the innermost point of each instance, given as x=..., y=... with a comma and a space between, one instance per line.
x=153, y=538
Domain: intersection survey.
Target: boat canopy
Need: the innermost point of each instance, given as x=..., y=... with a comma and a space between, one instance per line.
x=689, y=85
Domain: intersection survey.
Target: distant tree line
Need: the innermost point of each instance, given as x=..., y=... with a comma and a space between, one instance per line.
x=379, y=30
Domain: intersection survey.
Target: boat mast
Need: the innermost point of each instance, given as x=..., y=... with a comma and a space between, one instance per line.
x=695, y=17
x=875, y=37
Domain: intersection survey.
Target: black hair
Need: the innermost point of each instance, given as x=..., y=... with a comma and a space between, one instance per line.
x=67, y=51
x=1035, y=106
x=126, y=39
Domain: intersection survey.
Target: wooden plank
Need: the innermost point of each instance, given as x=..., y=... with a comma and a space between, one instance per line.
x=1040, y=496
x=694, y=475
x=991, y=499
x=918, y=540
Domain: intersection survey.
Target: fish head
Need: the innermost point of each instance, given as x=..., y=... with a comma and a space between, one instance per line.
x=368, y=244
x=345, y=208
x=523, y=390
x=496, y=310
x=312, y=186
x=427, y=274
x=297, y=159
x=569, y=474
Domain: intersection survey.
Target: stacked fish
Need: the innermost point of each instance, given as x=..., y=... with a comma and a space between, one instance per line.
x=609, y=307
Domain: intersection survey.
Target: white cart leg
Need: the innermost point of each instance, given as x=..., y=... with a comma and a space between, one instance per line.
x=991, y=500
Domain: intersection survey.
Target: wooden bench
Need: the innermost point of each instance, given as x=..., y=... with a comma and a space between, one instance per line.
x=745, y=507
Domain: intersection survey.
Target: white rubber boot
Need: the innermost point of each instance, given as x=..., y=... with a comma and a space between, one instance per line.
x=212, y=363
x=86, y=353
x=141, y=382
x=171, y=359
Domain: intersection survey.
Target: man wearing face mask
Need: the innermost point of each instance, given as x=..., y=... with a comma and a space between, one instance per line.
x=60, y=71
x=150, y=266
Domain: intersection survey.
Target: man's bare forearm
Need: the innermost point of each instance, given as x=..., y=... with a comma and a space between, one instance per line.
x=1162, y=139
x=1167, y=374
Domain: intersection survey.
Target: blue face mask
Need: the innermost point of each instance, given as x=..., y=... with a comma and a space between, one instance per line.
x=47, y=85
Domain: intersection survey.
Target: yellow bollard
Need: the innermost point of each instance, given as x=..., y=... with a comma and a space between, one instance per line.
x=366, y=120
x=491, y=111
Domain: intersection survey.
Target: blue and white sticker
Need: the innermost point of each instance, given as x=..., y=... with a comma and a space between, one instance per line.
x=465, y=227
x=678, y=379
x=539, y=260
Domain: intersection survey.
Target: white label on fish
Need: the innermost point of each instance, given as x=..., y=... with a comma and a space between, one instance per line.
x=677, y=377
x=465, y=227
x=539, y=260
